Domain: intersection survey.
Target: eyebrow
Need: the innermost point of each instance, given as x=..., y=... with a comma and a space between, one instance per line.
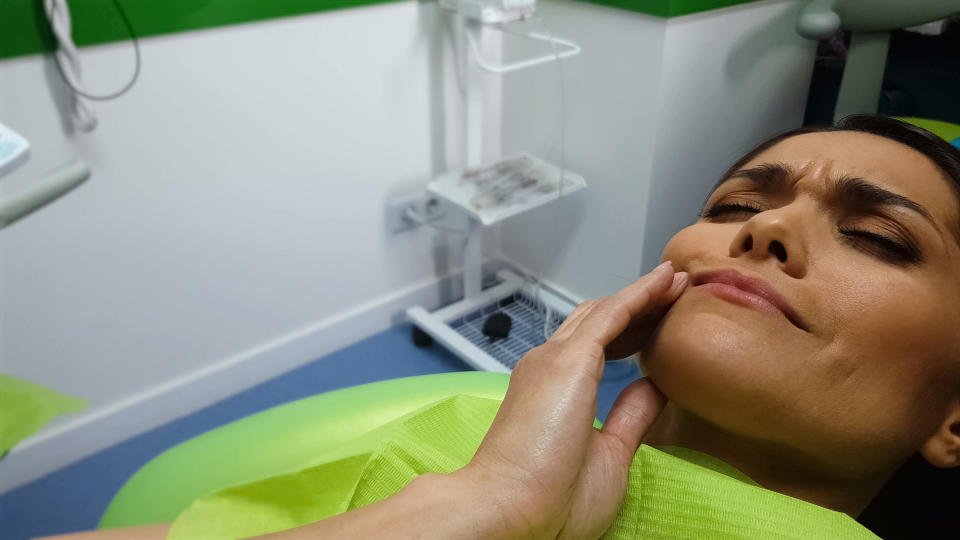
x=767, y=175
x=851, y=190
x=860, y=192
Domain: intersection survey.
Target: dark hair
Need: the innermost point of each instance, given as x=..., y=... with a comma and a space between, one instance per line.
x=938, y=150
x=919, y=500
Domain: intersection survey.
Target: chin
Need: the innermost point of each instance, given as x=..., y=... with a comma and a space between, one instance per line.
x=721, y=365
x=692, y=338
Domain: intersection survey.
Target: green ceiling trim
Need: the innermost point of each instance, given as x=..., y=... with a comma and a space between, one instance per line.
x=668, y=8
x=24, y=29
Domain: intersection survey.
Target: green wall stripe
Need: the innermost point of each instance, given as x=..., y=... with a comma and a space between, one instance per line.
x=668, y=8
x=24, y=30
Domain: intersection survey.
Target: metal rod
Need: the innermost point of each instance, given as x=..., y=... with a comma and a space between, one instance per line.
x=573, y=49
x=863, y=74
x=47, y=190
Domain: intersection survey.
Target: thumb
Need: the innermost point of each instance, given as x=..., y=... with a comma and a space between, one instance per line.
x=633, y=413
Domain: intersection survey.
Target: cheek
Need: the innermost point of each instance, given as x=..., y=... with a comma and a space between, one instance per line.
x=893, y=350
x=716, y=364
x=698, y=241
x=870, y=381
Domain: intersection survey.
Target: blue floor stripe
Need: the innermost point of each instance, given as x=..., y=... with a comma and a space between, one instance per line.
x=73, y=498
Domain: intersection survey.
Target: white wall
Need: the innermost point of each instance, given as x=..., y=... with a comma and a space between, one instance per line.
x=233, y=226
x=657, y=109
x=731, y=78
x=590, y=242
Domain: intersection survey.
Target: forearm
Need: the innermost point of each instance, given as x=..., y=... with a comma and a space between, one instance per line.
x=432, y=506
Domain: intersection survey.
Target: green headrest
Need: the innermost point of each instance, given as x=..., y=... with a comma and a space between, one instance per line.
x=946, y=130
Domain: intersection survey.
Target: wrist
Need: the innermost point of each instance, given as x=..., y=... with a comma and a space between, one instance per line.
x=466, y=506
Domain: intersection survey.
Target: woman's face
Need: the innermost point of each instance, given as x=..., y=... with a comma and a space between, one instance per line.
x=858, y=362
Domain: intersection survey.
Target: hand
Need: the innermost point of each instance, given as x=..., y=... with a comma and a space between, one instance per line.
x=542, y=464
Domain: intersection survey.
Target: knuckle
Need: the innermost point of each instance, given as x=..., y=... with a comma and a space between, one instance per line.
x=537, y=354
x=638, y=413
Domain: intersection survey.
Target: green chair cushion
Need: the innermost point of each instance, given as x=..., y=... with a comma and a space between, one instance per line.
x=946, y=130
x=671, y=492
x=26, y=407
x=306, y=460
x=282, y=439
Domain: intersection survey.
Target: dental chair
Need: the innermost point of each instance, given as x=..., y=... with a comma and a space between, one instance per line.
x=284, y=438
x=870, y=23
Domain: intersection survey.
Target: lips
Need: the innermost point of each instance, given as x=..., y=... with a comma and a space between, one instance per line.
x=747, y=291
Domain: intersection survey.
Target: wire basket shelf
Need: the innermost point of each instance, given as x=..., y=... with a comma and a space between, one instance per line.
x=531, y=323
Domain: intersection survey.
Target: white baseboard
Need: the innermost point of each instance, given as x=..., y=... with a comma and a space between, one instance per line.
x=65, y=443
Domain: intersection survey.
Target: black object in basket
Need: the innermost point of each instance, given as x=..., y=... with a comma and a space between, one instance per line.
x=528, y=329
x=497, y=326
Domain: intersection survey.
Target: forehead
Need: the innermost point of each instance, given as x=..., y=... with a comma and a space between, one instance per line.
x=821, y=157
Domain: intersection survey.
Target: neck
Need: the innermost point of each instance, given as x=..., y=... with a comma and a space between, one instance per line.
x=773, y=467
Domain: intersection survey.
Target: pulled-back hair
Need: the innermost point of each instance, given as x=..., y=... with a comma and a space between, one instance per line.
x=938, y=150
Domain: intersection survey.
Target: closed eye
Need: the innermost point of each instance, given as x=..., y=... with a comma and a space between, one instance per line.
x=875, y=244
x=729, y=209
x=883, y=247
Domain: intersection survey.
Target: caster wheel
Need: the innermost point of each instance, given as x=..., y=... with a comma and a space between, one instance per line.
x=420, y=338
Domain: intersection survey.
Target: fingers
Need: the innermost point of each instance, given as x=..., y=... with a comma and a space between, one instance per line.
x=573, y=320
x=632, y=414
x=636, y=333
x=610, y=316
x=680, y=281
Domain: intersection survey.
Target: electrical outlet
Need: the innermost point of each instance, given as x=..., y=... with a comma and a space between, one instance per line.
x=427, y=206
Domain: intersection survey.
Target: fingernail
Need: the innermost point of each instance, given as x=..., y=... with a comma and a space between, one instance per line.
x=663, y=265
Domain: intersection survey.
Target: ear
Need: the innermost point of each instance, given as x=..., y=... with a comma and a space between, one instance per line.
x=942, y=449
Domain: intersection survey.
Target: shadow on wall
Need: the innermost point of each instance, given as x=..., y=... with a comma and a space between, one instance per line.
x=61, y=96
x=433, y=28
x=756, y=44
x=553, y=225
x=750, y=83
x=59, y=93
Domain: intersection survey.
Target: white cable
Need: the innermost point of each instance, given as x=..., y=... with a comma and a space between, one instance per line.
x=536, y=281
x=58, y=13
x=548, y=315
x=548, y=319
x=572, y=50
x=67, y=61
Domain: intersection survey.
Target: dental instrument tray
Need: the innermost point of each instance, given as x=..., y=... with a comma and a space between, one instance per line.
x=511, y=186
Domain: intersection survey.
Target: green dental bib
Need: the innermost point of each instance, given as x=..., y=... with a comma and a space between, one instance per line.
x=672, y=492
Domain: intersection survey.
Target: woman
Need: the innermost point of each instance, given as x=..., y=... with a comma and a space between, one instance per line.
x=803, y=331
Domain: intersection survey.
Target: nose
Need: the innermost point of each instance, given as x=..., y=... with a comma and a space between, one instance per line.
x=773, y=235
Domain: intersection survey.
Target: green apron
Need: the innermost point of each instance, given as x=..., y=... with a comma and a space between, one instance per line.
x=672, y=492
